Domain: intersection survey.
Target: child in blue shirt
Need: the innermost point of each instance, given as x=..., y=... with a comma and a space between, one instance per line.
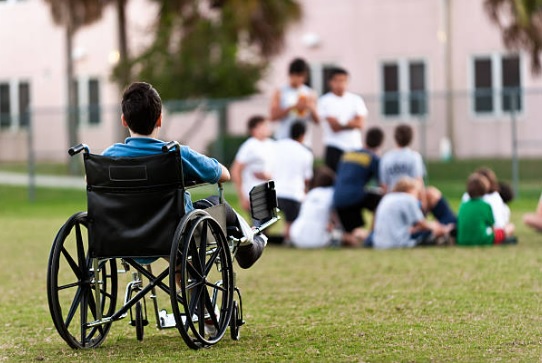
x=142, y=115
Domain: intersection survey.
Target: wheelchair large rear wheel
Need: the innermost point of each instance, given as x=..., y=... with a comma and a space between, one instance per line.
x=70, y=286
x=201, y=268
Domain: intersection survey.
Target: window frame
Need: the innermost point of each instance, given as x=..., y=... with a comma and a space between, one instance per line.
x=404, y=92
x=84, y=108
x=497, y=87
x=15, y=114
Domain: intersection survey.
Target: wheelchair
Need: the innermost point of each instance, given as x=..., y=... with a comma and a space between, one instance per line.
x=136, y=215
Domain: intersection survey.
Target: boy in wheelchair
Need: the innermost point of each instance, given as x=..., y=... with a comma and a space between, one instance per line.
x=142, y=115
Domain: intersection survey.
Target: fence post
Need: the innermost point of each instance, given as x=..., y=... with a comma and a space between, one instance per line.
x=30, y=156
x=515, y=158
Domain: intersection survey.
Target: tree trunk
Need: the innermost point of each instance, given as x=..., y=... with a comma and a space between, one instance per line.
x=74, y=164
x=125, y=77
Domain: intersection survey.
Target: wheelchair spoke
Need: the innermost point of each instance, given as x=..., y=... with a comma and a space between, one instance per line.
x=193, y=272
x=80, y=247
x=197, y=265
x=83, y=312
x=73, y=265
x=201, y=313
x=92, y=307
x=194, y=300
x=210, y=308
x=73, y=308
x=203, y=243
x=68, y=286
x=215, y=286
x=212, y=260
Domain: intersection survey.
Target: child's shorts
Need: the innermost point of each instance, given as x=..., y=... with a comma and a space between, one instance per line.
x=498, y=236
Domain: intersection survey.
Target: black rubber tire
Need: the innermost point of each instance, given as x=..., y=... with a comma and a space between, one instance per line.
x=235, y=333
x=200, y=258
x=139, y=321
x=70, y=287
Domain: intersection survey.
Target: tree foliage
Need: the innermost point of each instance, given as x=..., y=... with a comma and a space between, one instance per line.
x=213, y=48
x=520, y=22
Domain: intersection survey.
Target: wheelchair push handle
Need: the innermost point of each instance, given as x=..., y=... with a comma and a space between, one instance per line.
x=170, y=146
x=74, y=150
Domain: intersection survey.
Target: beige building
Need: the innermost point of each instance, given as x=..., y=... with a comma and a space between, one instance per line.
x=438, y=64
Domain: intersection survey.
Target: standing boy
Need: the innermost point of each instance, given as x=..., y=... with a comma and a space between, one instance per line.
x=293, y=102
x=254, y=161
x=343, y=114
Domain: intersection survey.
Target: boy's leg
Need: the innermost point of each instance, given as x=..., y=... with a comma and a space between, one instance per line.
x=332, y=157
x=439, y=207
x=290, y=208
x=252, y=248
x=352, y=222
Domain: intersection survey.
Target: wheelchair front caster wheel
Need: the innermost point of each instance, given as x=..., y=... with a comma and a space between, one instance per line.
x=235, y=322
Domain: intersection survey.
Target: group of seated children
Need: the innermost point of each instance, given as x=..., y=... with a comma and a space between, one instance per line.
x=400, y=202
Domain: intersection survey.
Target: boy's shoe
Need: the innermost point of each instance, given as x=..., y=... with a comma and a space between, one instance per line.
x=248, y=254
x=512, y=240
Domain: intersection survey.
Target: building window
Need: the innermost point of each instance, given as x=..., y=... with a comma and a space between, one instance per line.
x=404, y=88
x=391, y=103
x=87, y=94
x=5, y=106
x=497, y=84
x=318, y=77
x=14, y=105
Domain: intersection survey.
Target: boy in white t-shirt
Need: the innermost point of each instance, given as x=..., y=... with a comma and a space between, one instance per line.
x=295, y=101
x=253, y=163
x=343, y=114
x=292, y=173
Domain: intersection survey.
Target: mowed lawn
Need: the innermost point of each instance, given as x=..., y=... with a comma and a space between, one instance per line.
x=336, y=305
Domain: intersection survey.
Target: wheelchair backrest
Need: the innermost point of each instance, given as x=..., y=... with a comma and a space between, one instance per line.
x=134, y=204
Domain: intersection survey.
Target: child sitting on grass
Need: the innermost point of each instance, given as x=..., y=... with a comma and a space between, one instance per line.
x=475, y=221
x=399, y=221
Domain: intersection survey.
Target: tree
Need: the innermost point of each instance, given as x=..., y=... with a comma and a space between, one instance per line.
x=520, y=22
x=72, y=15
x=214, y=48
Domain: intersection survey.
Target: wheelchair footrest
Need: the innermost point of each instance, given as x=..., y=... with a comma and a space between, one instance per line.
x=166, y=320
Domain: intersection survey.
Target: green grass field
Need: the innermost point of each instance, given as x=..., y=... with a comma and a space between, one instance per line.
x=335, y=305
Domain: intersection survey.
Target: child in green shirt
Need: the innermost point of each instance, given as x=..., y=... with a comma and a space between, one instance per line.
x=475, y=218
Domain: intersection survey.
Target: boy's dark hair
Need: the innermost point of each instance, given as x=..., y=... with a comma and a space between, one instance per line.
x=298, y=66
x=297, y=130
x=337, y=71
x=506, y=192
x=403, y=135
x=323, y=177
x=141, y=107
x=491, y=176
x=476, y=188
x=374, y=137
x=254, y=121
